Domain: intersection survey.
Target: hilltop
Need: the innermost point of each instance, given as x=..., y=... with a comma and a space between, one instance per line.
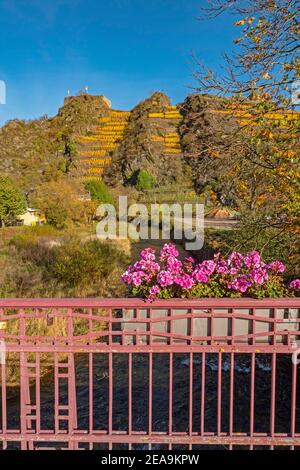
x=36, y=151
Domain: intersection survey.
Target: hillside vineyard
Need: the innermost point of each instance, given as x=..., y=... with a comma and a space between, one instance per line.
x=89, y=140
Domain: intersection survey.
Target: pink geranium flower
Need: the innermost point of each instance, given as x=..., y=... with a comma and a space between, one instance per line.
x=184, y=280
x=154, y=290
x=200, y=276
x=208, y=266
x=295, y=284
x=148, y=254
x=168, y=250
x=173, y=264
x=259, y=276
x=236, y=259
x=240, y=284
x=277, y=266
x=165, y=278
x=222, y=267
x=253, y=259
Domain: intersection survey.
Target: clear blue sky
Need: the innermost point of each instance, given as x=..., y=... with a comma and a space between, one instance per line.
x=124, y=49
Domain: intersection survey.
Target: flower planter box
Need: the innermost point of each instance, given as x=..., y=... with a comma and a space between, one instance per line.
x=218, y=321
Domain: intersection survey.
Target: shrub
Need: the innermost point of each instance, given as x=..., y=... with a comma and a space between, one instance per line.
x=235, y=276
x=145, y=180
x=50, y=266
x=90, y=268
x=99, y=192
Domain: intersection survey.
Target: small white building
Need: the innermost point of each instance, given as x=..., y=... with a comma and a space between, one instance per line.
x=32, y=217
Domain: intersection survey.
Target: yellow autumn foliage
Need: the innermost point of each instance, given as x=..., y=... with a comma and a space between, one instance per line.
x=96, y=161
x=95, y=171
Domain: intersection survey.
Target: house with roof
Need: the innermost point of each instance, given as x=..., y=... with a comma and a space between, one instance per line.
x=32, y=217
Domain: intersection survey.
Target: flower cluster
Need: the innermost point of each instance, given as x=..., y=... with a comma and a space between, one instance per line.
x=295, y=284
x=166, y=276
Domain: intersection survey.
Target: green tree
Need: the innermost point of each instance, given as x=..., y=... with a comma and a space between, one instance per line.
x=12, y=200
x=145, y=180
x=69, y=150
x=99, y=192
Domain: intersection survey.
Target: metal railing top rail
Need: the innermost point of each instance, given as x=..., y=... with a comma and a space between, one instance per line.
x=289, y=302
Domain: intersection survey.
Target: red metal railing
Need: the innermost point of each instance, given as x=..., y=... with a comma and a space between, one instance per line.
x=122, y=373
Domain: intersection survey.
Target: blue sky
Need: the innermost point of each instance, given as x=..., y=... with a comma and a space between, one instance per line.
x=124, y=49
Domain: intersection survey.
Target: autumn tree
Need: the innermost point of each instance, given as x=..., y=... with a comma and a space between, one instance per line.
x=63, y=201
x=255, y=159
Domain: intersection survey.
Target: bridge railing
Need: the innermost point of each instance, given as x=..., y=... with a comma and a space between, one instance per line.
x=123, y=373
